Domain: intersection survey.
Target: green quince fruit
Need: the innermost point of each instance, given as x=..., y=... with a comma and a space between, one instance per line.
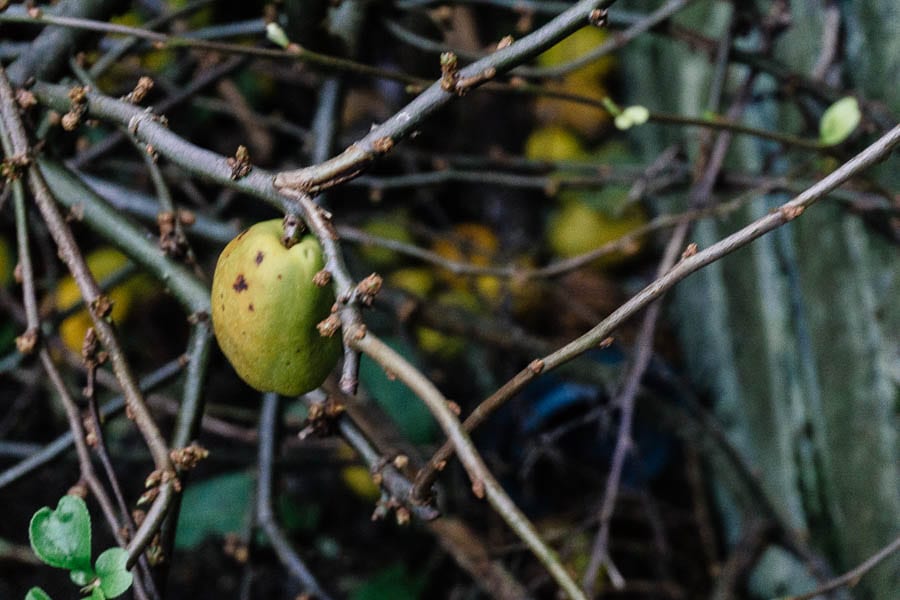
x=265, y=308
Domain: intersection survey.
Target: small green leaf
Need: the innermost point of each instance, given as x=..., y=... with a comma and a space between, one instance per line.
x=115, y=578
x=276, y=35
x=839, y=121
x=36, y=593
x=638, y=114
x=62, y=537
x=632, y=116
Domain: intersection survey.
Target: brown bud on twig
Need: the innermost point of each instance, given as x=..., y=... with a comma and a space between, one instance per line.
x=148, y=496
x=368, y=288
x=188, y=457
x=689, y=251
x=383, y=145
x=599, y=17
x=449, y=71
x=101, y=306
x=143, y=86
x=186, y=217
x=322, y=278
x=329, y=326
x=240, y=163
x=70, y=120
x=27, y=342
x=171, y=240
x=464, y=84
x=25, y=99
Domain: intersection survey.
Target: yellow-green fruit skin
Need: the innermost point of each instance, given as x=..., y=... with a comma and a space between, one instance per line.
x=265, y=308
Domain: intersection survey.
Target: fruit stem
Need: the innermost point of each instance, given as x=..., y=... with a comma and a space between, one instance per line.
x=293, y=230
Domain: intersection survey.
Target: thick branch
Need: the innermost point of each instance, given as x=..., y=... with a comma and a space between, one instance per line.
x=356, y=158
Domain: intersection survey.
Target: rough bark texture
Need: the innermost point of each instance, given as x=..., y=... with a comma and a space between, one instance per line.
x=797, y=338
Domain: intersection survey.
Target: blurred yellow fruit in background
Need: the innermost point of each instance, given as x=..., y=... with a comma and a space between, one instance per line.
x=357, y=477
x=575, y=228
x=471, y=243
x=153, y=60
x=418, y=281
x=359, y=480
x=102, y=263
x=390, y=228
x=553, y=143
x=587, y=120
x=575, y=46
x=478, y=245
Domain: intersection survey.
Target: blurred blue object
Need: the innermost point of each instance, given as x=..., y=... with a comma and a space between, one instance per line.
x=558, y=428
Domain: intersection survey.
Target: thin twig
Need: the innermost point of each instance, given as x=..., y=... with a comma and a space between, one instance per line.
x=134, y=242
x=151, y=129
x=352, y=161
x=265, y=512
x=84, y=458
x=144, y=585
x=172, y=239
x=626, y=400
x=48, y=51
x=852, y=577
x=319, y=222
x=616, y=42
x=780, y=216
x=351, y=426
x=561, y=266
x=189, y=414
x=87, y=285
x=108, y=59
x=203, y=79
x=62, y=443
x=483, y=481
x=10, y=141
x=29, y=296
x=784, y=214
x=294, y=54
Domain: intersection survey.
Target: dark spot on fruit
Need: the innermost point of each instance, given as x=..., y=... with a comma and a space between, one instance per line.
x=279, y=276
x=259, y=257
x=240, y=284
x=250, y=307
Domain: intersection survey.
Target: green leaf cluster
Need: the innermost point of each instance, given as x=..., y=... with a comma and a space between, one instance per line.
x=62, y=539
